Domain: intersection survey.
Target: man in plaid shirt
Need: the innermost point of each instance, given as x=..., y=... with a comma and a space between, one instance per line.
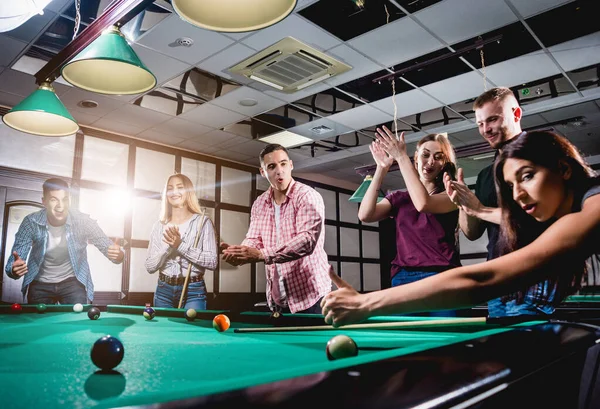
x=56, y=239
x=286, y=232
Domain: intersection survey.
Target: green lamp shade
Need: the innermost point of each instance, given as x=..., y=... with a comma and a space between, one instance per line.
x=42, y=113
x=109, y=66
x=233, y=16
x=358, y=196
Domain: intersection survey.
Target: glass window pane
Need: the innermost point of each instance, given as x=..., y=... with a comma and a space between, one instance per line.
x=139, y=278
x=110, y=218
x=370, y=242
x=152, y=169
x=11, y=289
x=105, y=161
x=351, y=274
x=371, y=277
x=349, y=242
x=331, y=240
x=145, y=212
x=348, y=210
x=236, y=186
x=36, y=153
x=202, y=175
x=106, y=275
x=234, y=226
x=261, y=278
x=330, y=203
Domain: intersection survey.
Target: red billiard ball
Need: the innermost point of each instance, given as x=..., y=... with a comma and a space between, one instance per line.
x=16, y=308
x=221, y=323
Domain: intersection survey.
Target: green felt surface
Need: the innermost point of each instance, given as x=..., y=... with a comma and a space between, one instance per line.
x=45, y=358
x=583, y=298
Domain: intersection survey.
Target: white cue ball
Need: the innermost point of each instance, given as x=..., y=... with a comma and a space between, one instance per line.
x=78, y=307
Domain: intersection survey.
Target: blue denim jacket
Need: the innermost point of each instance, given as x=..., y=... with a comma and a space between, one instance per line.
x=33, y=235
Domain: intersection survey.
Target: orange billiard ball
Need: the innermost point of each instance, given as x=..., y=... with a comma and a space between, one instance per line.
x=221, y=322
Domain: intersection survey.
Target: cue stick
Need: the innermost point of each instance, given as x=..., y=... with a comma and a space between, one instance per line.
x=378, y=325
x=189, y=270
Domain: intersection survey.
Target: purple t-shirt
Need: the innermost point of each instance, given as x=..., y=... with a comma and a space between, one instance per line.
x=423, y=240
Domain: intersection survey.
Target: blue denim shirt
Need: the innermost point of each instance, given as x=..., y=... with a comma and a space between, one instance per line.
x=33, y=235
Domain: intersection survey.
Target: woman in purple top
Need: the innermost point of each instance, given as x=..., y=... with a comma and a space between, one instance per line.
x=426, y=219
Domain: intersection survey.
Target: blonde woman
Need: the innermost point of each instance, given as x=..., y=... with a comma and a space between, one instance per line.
x=425, y=217
x=183, y=237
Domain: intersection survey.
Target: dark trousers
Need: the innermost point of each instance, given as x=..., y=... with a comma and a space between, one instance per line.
x=315, y=309
x=69, y=291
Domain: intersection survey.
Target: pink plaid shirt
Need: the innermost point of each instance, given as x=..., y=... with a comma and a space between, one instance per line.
x=299, y=253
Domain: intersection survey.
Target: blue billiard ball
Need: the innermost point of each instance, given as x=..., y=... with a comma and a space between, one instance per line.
x=149, y=313
x=107, y=352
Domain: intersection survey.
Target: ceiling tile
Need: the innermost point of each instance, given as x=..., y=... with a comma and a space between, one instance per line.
x=212, y=116
x=360, y=64
x=11, y=48
x=530, y=121
x=396, y=42
x=136, y=116
x=263, y=102
x=219, y=63
x=292, y=26
x=111, y=125
x=361, y=117
x=230, y=155
x=9, y=100
x=522, y=69
x=457, y=20
x=236, y=140
x=105, y=105
x=18, y=83
x=294, y=96
x=83, y=118
x=182, y=129
x=213, y=138
x=252, y=148
x=197, y=147
x=407, y=103
x=163, y=67
x=578, y=53
x=157, y=136
x=528, y=8
x=163, y=38
x=457, y=88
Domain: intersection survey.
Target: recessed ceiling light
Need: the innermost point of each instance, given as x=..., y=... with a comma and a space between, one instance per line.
x=286, y=139
x=247, y=102
x=87, y=103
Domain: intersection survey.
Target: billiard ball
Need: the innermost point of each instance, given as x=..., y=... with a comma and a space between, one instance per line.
x=221, y=322
x=94, y=313
x=149, y=313
x=41, y=308
x=275, y=315
x=107, y=352
x=78, y=307
x=341, y=346
x=16, y=308
x=190, y=314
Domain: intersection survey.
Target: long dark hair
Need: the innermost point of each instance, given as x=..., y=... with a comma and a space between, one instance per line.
x=518, y=229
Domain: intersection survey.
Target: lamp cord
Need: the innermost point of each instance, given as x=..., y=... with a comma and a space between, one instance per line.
x=77, y=18
x=393, y=85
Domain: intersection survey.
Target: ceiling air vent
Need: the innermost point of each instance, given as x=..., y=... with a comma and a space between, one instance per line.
x=289, y=66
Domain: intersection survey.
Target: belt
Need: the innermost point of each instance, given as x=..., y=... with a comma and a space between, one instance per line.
x=178, y=280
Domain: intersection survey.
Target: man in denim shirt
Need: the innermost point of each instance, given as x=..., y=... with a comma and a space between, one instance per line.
x=57, y=269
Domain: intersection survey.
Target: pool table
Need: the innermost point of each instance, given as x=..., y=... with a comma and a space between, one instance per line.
x=171, y=362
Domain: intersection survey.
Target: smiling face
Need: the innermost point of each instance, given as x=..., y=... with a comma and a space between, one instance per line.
x=176, y=192
x=540, y=192
x=57, y=204
x=430, y=160
x=499, y=121
x=277, y=168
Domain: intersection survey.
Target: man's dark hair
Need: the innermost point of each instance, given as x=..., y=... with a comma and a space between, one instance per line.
x=55, y=184
x=270, y=148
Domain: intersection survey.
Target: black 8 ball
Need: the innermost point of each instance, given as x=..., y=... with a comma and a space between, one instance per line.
x=107, y=352
x=94, y=313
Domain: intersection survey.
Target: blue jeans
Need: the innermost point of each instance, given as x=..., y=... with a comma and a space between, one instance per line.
x=168, y=296
x=406, y=277
x=69, y=291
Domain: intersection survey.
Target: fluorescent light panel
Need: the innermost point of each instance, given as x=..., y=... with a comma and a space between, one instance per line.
x=286, y=139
